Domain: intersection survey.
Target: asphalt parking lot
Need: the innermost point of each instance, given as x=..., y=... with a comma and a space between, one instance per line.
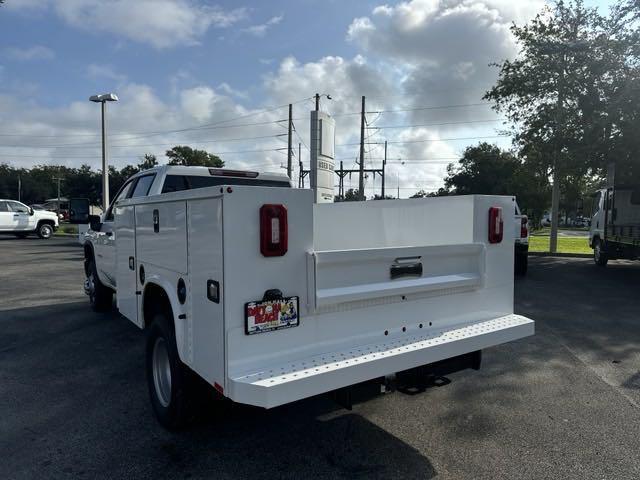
x=563, y=404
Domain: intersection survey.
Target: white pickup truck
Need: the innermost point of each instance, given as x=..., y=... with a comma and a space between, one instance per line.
x=20, y=220
x=271, y=298
x=521, y=235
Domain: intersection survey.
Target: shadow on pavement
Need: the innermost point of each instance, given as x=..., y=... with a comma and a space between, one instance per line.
x=74, y=402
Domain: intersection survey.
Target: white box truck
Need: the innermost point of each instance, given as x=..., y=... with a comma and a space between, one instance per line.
x=270, y=298
x=614, y=232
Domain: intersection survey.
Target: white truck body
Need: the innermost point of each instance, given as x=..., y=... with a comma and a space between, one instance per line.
x=356, y=322
x=614, y=232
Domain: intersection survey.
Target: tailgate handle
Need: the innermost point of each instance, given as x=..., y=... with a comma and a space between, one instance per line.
x=406, y=267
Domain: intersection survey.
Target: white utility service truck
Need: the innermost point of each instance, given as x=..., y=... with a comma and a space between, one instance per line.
x=615, y=224
x=271, y=298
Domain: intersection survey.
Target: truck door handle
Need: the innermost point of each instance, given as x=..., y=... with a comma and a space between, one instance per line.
x=406, y=267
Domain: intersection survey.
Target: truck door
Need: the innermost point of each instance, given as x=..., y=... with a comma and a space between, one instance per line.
x=126, y=262
x=6, y=216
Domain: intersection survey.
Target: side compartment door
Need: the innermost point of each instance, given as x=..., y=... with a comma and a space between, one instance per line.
x=206, y=289
x=126, y=263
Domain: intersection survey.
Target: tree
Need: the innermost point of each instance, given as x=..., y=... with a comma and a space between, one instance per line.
x=148, y=161
x=488, y=170
x=573, y=92
x=184, y=155
x=350, y=195
x=380, y=197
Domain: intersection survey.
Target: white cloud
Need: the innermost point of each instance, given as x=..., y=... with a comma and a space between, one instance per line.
x=260, y=30
x=36, y=52
x=98, y=71
x=160, y=23
x=415, y=54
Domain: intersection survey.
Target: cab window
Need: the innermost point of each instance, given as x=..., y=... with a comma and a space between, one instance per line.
x=18, y=207
x=4, y=207
x=174, y=183
x=143, y=185
x=123, y=193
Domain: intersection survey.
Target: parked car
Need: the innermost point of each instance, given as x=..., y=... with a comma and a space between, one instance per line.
x=20, y=220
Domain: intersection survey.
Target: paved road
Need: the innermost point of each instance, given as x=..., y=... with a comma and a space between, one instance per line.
x=561, y=405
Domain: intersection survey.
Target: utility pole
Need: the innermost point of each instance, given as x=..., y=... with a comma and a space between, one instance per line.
x=289, y=149
x=398, y=185
x=317, y=102
x=299, y=164
x=361, y=177
x=555, y=192
x=19, y=188
x=58, y=179
x=384, y=163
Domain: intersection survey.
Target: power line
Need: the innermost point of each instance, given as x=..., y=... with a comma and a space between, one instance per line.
x=75, y=145
x=218, y=124
x=430, y=140
x=441, y=123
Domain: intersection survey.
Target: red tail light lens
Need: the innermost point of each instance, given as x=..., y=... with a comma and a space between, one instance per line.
x=274, y=231
x=524, y=229
x=496, y=225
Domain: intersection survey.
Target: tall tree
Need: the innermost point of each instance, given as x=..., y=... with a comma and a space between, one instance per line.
x=573, y=92
x=185, y=155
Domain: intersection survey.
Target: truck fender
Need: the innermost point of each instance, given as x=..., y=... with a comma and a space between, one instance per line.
x=178, y=311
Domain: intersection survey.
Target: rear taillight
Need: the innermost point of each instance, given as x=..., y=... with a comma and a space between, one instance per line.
x=524, y=229
x=496, y=225
x=274, y=231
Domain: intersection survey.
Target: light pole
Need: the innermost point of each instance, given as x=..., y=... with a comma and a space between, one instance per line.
x=103, y=99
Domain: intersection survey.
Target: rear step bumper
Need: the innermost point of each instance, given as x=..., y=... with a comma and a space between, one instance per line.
x=306, y=377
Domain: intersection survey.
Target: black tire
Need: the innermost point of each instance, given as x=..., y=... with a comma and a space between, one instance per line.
x=521, y=264
x=21, y=235
x=100, y=296
x=45, y=230
x=170, y=382
x=600, y=256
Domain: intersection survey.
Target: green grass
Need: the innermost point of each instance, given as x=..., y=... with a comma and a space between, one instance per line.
x=540, y=243
x=68, y=228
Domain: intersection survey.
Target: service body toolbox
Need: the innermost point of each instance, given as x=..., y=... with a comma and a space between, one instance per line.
x=274, y=298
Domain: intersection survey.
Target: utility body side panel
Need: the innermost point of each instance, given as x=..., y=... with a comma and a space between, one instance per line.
x=205, y=317
x=126, y=270
x=161, y=232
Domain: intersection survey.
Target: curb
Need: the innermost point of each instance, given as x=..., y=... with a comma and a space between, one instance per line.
x=565, y=255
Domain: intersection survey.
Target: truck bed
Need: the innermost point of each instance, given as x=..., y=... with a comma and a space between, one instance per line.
x=365, y=308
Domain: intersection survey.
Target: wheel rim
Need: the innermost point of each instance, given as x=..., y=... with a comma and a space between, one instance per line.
x=91, y=286
x=45, y=231
x=161, y=372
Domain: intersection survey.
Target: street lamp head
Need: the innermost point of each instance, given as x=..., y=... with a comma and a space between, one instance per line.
x=105, y=97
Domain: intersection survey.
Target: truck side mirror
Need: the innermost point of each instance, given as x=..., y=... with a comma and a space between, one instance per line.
x=31, y=211
x=94, y=223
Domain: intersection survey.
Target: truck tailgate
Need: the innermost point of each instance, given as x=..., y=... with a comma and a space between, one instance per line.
x=291, y=381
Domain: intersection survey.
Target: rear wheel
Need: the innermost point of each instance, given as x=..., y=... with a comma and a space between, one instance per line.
x=168, y=379
x=599, y=254
x=45, y=231
x=100, y=296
